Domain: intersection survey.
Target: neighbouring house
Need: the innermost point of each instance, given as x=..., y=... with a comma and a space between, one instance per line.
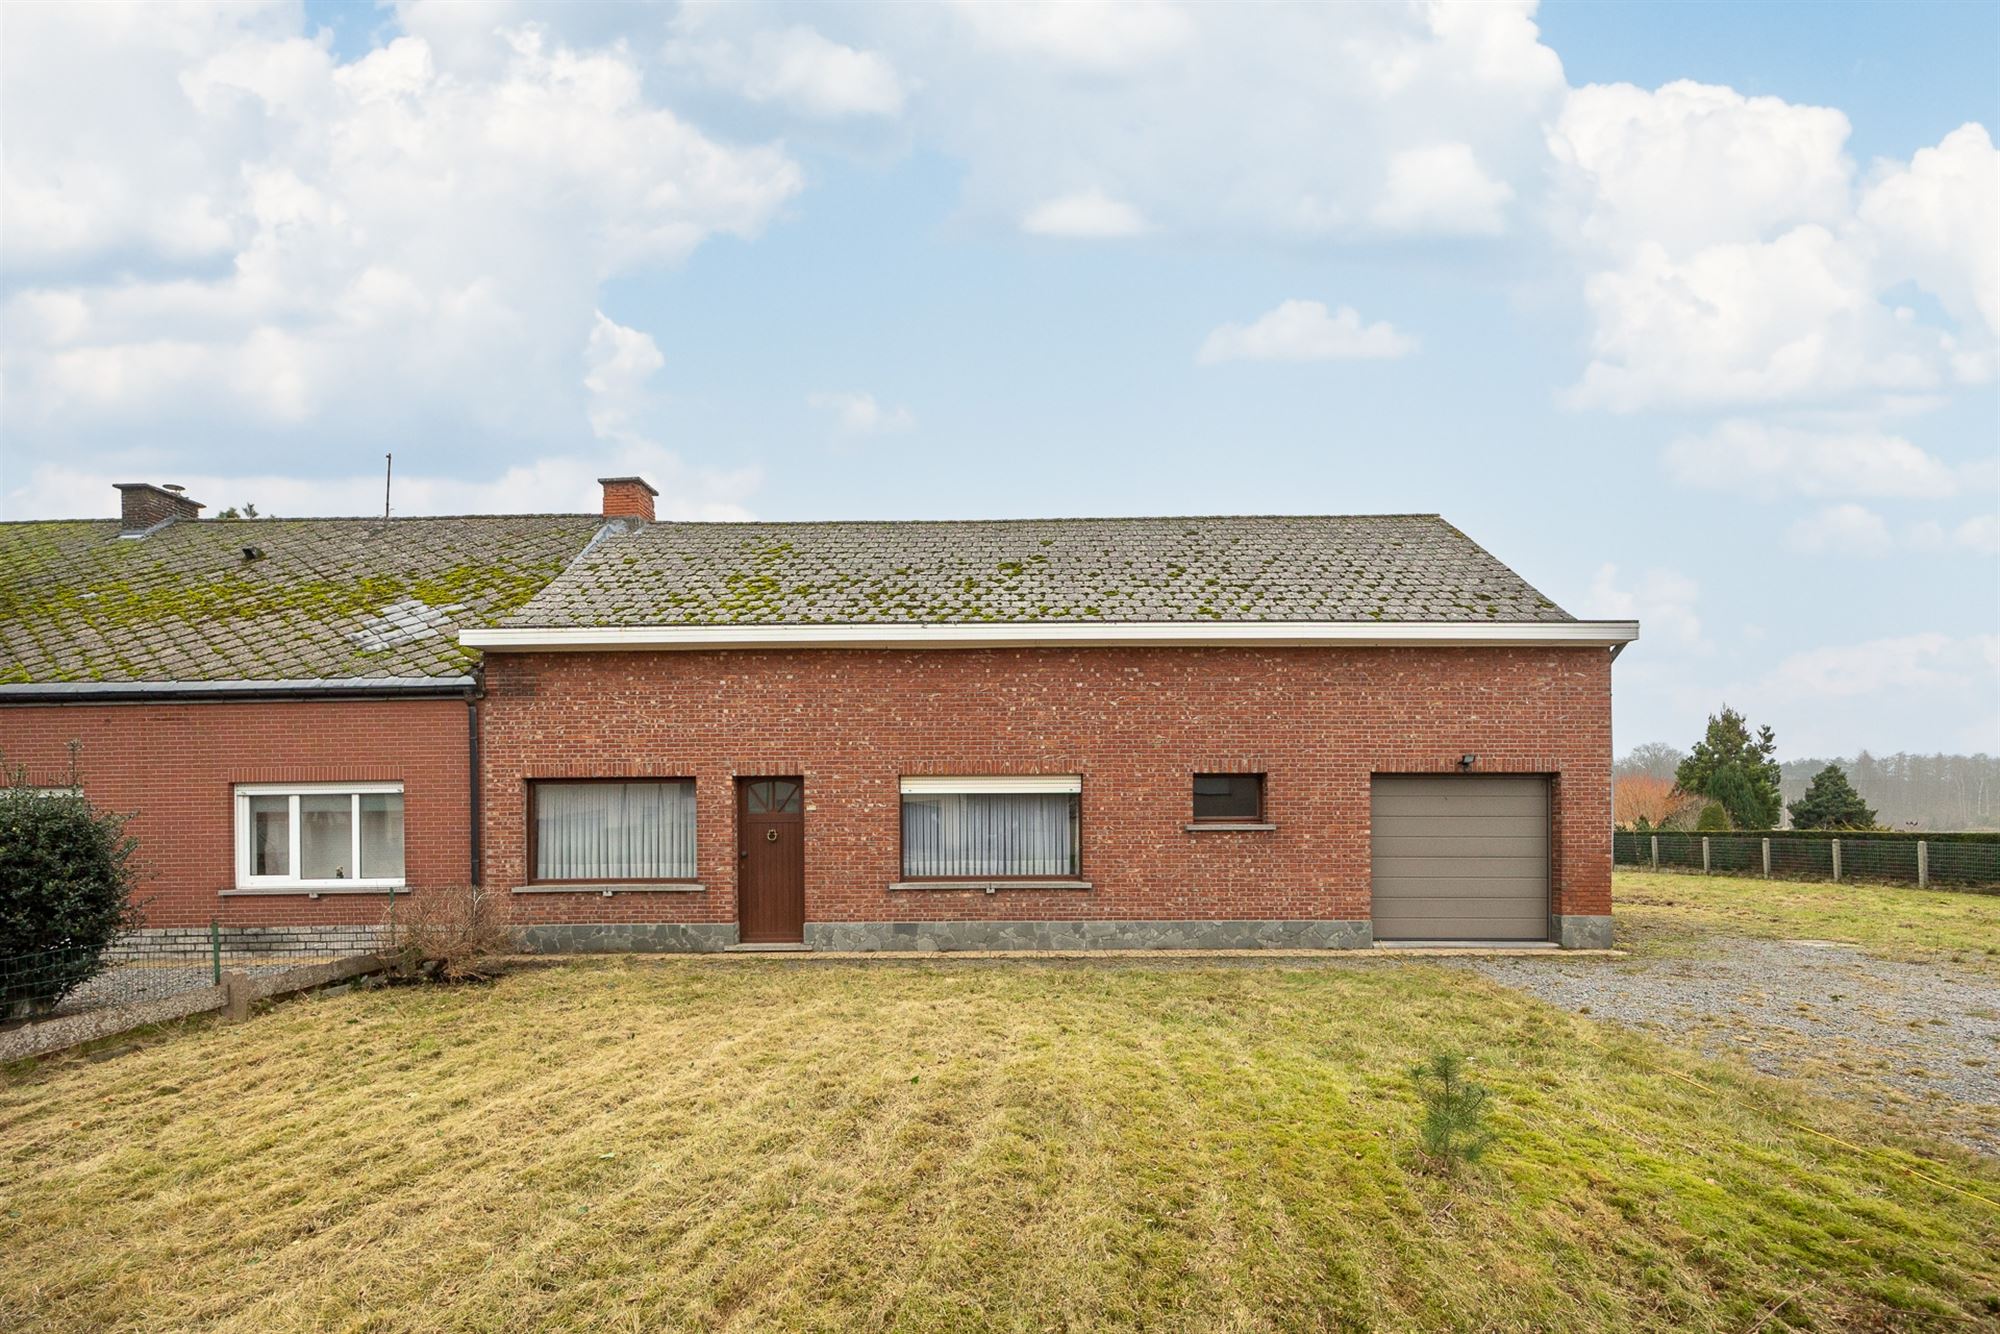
x=282, y=705
x=1087, y=733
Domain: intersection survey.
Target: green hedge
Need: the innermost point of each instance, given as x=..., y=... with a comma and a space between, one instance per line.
x=1957, y=862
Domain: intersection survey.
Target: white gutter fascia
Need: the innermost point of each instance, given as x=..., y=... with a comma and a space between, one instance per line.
x=1057, y=634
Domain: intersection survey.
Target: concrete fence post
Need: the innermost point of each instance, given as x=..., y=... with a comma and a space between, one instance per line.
x=1923, y=862
x=1704, y=854
x=236, y=994
x=1836, y=859
x=1656, y=851
x=1767, y=859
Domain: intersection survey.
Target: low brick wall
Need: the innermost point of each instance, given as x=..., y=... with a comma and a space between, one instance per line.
x=237, y=992
x=194, y=941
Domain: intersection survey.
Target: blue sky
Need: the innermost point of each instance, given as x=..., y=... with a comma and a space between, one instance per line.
x=1686, y=311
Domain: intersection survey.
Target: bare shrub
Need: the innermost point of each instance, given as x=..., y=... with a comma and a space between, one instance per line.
x=452, y=934
x=1641, y=801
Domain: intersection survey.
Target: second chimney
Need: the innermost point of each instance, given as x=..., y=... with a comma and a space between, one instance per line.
x=627, y=498
x=142, y=507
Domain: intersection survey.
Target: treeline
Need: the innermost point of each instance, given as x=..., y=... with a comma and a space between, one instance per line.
x=1928, y=792
x=1932, y=792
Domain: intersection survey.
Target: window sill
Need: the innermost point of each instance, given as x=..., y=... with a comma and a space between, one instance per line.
x=989, y=886
x=1228, y=827
x=607, y=890
x=313, y=891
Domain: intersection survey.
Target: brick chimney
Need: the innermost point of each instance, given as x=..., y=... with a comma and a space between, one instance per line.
x=143, y=507
x=627, y=498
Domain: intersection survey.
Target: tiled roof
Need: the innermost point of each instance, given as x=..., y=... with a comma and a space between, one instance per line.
x=1404, y=567
x=328, y=599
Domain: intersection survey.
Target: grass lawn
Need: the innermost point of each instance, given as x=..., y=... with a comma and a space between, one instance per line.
x=1669, y=912
x=695, y=1143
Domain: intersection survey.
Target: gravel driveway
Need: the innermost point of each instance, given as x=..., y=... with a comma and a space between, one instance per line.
x=1918, y=1040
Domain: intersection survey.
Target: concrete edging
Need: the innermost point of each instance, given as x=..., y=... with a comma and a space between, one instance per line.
x=1390, y=953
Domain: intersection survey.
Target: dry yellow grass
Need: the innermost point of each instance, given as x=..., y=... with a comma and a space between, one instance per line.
x=1675, y=912
x=679, y=1143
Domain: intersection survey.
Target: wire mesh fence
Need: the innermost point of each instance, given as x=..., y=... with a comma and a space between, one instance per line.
x=1941, y=863
x=143, y=966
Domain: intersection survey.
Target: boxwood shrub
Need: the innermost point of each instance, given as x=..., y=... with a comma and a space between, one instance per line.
x=66, y=878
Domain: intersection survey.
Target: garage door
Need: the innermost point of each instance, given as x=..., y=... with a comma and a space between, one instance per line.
x=1461, y=857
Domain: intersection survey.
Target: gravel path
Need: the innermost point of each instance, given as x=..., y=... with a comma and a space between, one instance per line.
x=1918, y=1040
x=124, y=983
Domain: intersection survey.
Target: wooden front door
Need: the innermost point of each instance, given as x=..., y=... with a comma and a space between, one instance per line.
x=771, y=860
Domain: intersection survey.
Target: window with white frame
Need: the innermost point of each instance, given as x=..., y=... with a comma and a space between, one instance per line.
x=1000, y=827
x=319, y=835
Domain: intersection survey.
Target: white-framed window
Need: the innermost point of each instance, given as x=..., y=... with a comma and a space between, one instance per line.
x=319, y=836
x=997, y=827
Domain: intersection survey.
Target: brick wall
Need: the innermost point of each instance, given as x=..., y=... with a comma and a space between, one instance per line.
x=1136, y=723
x=173, y=766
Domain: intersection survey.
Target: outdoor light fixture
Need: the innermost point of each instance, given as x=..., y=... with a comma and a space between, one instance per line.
x=1467, y=761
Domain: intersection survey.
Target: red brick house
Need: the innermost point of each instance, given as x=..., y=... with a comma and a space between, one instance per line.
x=1195, y=733
x=281, y=704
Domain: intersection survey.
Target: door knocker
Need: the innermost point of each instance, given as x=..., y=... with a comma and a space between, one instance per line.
x=770, y=836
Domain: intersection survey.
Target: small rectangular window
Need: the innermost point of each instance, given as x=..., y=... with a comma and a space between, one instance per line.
x=611, y=831
x=319, y=836
x=1235, y=798
x=1005, y=827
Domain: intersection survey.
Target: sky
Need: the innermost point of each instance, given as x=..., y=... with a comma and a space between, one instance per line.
x=1688, y=312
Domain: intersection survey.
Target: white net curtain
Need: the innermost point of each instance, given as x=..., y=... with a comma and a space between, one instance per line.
x=615, y=831
x=992, y=833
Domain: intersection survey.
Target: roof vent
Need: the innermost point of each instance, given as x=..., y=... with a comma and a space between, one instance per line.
x=143, y=507
x=628, y=498
x=253, y=553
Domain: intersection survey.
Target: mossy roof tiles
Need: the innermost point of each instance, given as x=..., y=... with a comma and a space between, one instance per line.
x=329, y=598
x=1273, y=568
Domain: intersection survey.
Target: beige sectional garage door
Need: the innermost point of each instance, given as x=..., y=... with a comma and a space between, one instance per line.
x=1461, y=857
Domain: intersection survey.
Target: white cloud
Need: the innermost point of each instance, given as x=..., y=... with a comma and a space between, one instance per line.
x=1937, y=222
x=1662, y=601
x=796, y=67
x=1744, y=454
x=618, y=365
x=1756, y=322
x=1089, y=214
x=1739, y=259
x=399, y=242
x=1305, y=331
x=1442, y=188
x=620, y=360
x=1098, y=37
x=1310, y=122
x=1841, y=530
x=1979, y=534
x=1692, y=165
x=1921, y=691
x=1905, y=662
x=858, y=414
